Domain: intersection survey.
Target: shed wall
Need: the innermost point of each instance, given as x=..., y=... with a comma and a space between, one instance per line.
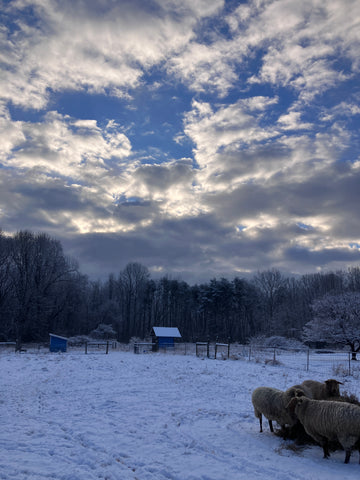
x=58, y=344
x=166, y=341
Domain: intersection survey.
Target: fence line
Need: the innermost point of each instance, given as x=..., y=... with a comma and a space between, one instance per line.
x=340, y=362
x=324, y=361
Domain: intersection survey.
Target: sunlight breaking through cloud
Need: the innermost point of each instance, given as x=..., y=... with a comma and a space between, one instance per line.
x=179, y=121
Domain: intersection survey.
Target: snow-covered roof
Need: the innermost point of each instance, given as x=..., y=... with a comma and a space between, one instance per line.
x=57, y=336
x=167, y=332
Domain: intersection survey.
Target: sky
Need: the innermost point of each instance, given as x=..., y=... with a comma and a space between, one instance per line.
x=201, y=138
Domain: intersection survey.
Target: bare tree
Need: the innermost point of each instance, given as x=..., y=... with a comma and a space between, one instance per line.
x=38, y=270
x=133, y=281
x=271, y=285
x=5, y=288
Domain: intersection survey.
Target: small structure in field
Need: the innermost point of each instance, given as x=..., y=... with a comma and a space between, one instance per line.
x=57, y=343
x=164, y=337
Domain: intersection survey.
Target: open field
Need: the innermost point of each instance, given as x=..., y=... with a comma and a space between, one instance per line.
x=152, y=416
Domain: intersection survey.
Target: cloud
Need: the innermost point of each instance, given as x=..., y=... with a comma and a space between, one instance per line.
x=228, y=142
x=227, y=128
x=303, y=41
x=89, y=46
x=63, y=146
x=298, y=45
x=291, y=121
x=204, y=67
x=66, y=161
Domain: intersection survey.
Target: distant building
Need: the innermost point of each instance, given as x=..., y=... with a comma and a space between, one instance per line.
x=57, y=343
x=164, y=337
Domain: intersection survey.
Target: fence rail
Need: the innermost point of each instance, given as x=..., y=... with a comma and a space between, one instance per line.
x=100, y=345
x=327, y=362
x=336, y=362
x=216, y=347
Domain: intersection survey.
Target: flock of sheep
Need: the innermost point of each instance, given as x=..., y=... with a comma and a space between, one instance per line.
x=325, y=415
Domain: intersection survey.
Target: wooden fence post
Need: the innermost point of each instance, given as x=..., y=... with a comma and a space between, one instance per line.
x=308, y=360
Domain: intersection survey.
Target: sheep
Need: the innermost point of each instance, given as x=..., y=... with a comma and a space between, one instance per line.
x=272, y=403
x=306, y=390
x=327, y=420
x=328, y=390
x=321, y=391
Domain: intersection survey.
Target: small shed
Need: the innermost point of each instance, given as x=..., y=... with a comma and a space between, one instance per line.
x=57, y=343
x=163, y=337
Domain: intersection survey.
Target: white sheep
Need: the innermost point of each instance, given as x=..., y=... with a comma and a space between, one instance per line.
x=327, y=420
x=272, y=403
x=321, y=390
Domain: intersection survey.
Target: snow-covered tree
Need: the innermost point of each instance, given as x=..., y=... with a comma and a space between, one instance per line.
x=336, y=319
x=104, y=332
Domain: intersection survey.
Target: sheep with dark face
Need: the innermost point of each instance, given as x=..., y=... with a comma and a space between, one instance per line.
x=327, y=420
x=321, y=390
x=272, y=403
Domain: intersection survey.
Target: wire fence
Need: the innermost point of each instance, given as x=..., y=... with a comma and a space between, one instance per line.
x=329, y=362
x=310, y=360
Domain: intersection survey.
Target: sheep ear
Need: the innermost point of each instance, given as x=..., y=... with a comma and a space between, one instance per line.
x=332, y=380
x=299, y=393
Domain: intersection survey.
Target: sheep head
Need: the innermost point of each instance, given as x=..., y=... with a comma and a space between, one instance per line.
x=296, y=400
x=332, y=387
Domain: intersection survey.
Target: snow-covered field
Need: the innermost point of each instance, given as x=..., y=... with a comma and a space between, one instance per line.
x=153, y=416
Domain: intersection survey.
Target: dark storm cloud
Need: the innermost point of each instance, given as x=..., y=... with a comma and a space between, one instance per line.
x=196, y=249
x=36, y=202
x=163, y=177
x=184, y=248
x=327, y=256
x=134, y=211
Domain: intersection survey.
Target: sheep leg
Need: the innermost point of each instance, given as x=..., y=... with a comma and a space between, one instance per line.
x=271, y=426
x=323, y=441
x=347, y=455
x=325, y=446
x=285, y=431
x=347, y=442
x=260, y=421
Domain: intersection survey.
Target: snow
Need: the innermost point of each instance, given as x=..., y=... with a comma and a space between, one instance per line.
x=122, y=416
x=167, y=332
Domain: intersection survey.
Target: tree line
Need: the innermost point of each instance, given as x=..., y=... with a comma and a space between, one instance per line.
x=42, y=291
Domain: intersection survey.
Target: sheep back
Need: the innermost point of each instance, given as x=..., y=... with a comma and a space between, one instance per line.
x=272, y=403
x=328, y=419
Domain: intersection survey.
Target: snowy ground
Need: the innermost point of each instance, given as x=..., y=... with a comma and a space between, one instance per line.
x=153, y=416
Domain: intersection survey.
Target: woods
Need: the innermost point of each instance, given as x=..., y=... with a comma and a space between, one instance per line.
x=43, y=291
